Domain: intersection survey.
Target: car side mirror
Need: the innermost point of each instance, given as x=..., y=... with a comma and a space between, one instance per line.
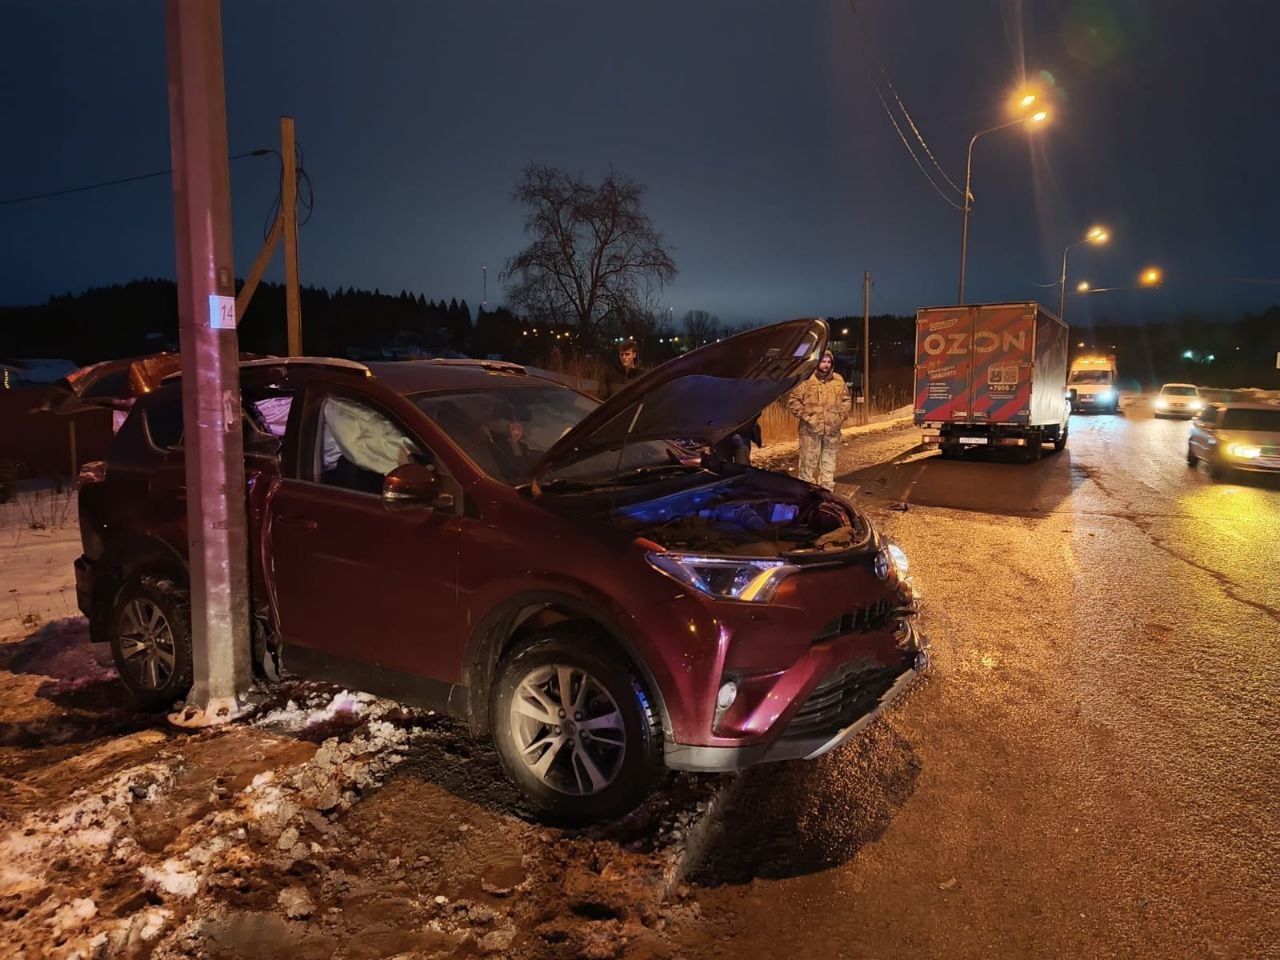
x=413, y=485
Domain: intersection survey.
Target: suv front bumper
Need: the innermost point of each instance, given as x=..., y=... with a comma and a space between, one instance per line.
x=840, y=706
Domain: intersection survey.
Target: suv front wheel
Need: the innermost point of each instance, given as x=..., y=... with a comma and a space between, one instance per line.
x=574, y=727
x=151, y=640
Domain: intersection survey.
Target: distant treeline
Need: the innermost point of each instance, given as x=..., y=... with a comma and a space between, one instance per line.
x=142, y=317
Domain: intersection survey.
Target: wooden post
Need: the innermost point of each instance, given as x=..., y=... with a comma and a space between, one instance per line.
x=289, y=225
x=259, y=267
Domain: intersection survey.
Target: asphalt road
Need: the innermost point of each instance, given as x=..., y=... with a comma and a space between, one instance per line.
x=1093, y=767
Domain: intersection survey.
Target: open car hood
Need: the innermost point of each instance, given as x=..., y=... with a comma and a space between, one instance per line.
x=702, y=396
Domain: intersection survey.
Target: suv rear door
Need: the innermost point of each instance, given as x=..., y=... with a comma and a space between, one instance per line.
x=362, y=593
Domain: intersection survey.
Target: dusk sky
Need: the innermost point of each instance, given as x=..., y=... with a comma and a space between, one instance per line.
x=770, y=165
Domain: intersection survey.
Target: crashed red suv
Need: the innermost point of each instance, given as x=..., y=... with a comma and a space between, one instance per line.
x=471, y=537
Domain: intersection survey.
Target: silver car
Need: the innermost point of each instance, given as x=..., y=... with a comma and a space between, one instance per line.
x=1236, y=436
x=1178, y=400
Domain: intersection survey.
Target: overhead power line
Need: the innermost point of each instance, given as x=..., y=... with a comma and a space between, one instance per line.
x=113, y=183
x=915, y=129
x=919, y=135
x=905, y=143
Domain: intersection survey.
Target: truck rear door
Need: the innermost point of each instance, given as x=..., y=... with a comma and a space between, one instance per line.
x=944, y=359
x=1003, y=345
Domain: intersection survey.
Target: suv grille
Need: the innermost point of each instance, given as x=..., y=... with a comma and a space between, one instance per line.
x=862, y=620
x=847, y=693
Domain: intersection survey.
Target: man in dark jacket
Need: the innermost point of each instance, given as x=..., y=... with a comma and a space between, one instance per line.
x=621, y=372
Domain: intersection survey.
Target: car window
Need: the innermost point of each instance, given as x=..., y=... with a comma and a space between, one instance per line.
x=1209, y=416
x=1170, y=391
x=357, y=446
x=163, y=417
x=1265, y=421
x=506, y=430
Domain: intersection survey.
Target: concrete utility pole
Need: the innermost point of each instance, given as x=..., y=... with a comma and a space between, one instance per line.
x=866, y=346
x=218, y=542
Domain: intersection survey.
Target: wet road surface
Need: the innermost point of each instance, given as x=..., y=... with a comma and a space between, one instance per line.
x=1093, y=767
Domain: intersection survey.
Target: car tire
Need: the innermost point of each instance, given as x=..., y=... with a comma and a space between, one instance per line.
x=1217, y=469
x=949, y=451
x=1060, y=443
x=150, y=637
x=581, y=773
x=1031, y=452
x=1192, y=459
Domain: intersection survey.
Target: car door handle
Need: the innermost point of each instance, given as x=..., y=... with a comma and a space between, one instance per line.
x=297, y=520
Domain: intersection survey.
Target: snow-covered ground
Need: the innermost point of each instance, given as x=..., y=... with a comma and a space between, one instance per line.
x=39, y=540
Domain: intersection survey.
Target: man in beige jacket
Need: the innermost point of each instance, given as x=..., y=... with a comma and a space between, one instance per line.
x=821, y=404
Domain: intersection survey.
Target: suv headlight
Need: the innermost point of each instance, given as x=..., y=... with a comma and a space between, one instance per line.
x=898, y=558
x=726, y=578
x=1106, y=396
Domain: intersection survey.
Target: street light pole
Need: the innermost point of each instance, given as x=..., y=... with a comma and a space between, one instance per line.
x=1095, y=235
x=968, y=197
x=1062, y=280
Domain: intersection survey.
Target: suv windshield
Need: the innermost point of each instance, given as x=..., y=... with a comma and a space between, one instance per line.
x=1179, y=391
x=505, y=430
x=1090, y=376
x=1264, y=421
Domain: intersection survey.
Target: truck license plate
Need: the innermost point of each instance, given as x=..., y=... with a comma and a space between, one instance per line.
x=973, y=439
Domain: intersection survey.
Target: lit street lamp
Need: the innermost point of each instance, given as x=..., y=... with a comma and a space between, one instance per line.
x=1151, y=277
x=1082, y=287
x=1037, y=117
x=1096, y=235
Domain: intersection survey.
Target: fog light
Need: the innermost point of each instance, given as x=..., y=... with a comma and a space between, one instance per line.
x=728, y=693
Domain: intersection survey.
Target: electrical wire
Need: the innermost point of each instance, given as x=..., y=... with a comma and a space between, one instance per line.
x=919, y=135
x=910, y=121
x=905, y=143
x=304, y=191
x=113, y=183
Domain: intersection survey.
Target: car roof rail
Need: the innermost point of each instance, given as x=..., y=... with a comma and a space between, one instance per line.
x=331, y=363
x=502, y=366
x=324, y=363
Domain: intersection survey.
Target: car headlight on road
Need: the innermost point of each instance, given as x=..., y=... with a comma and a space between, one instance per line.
x=1105, y=396
x=898, y=558
x=1161, y=403
x=1245, y=451
x=727, y=578
x=1196, y=405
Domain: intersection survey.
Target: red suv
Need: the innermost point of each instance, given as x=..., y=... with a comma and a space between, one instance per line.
x=471, y=537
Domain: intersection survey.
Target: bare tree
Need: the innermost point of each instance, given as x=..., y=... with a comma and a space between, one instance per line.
x=700, y=327
x=593, y=252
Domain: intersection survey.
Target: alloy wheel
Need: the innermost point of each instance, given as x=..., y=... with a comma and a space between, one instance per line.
x=568, y=729
x=146, y=643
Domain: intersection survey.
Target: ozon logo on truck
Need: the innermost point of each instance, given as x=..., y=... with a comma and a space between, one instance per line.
x=984, y=341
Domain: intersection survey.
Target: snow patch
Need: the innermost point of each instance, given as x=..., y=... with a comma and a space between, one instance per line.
x=174, y=877
x=294, y=717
